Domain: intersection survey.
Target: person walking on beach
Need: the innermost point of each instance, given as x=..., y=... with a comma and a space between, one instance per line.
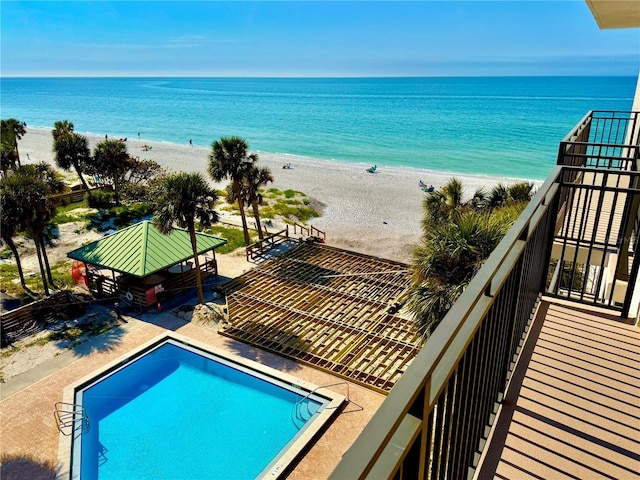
x=138, y=135
x=190, y=142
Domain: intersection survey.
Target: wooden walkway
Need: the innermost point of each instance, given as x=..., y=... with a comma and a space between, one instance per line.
x=571, y=410
x=329, y=308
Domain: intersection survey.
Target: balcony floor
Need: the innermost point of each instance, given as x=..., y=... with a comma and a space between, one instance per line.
x=572, y=409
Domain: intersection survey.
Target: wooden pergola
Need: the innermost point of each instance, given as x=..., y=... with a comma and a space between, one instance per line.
x=141, y=266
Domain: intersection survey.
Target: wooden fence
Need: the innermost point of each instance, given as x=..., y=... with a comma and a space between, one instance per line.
x=310, y=231
x=76, y=195
x=267, y=243
x=34, y=317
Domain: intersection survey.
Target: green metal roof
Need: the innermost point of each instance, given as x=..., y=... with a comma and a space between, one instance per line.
x=141, y=250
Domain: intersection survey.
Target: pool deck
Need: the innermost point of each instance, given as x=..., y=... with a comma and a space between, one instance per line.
x=29, y=437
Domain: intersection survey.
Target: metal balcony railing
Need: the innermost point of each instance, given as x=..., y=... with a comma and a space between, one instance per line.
x=435, y=421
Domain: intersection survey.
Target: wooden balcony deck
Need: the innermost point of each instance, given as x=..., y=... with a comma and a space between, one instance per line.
x=572, y=409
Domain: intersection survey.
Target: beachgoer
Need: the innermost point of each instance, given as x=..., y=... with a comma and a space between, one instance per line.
x=138, y=135
x=28, y=157
x=190, y=142
x=105, y=136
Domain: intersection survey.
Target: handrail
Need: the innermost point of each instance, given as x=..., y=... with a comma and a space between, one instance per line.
x=439, y=408
x=315, y=390
x=268, y=240
x=70, y=416
x=426, y=383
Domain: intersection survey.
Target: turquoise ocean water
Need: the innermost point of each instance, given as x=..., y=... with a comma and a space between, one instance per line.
x=495, y=126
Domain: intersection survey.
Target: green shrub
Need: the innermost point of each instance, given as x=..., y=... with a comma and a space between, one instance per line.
x=289, y=193
x=303, y=214
x=101, y=199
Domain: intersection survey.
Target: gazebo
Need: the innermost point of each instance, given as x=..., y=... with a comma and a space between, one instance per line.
x=141, y=266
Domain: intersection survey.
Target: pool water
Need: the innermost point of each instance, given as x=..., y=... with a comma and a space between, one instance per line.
x=177, y=414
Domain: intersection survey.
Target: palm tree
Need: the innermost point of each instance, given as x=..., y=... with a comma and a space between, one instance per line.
x=61, y=128
x=229, y=160
x=111, y=158
x=29, y=187
x=10, y=218
x=445, y=263
x=502, y=195
x=444, y=203
x=184, y=198
x=12, y=130
x=8, y=157
x=72, y=150
x=255, y=178
x=458, y=236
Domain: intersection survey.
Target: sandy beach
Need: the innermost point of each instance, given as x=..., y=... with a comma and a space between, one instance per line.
x=378, y=214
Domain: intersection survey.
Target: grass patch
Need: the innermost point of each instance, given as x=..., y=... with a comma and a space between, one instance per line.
x=8, y=273
x=290, y=212
x=61, y=273
x=122, y=216
x=5, y=253
x=233, y=236
x=66, y=214
x=40, y=342
x=73, y=334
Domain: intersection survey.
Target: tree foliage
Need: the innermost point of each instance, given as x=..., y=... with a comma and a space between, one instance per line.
x=230, y=159
x=72, y=151
x=26, y=193
x=255, y=179
x=458, y=236
x=182, y=200
x=110, y=159
x=11, y=130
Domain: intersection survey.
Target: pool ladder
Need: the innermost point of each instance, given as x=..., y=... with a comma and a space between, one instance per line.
x=298, y=414
x=71, y=418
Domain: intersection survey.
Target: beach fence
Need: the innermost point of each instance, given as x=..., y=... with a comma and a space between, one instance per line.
x=267, y=243
x=309, y=231
x=36, y=316
x=76, y=195
x=271, y=241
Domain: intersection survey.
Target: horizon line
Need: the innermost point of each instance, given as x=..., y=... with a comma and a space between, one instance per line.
x=302, y=77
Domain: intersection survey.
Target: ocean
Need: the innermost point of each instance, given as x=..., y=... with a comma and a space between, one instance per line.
x=494, y=126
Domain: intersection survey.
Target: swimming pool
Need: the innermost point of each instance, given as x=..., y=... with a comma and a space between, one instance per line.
x=176, y=410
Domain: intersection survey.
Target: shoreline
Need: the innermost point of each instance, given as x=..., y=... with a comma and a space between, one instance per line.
x=378, y=214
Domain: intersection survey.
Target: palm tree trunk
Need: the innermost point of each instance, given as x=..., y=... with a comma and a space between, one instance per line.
x=14, y=250
x=42, y=272
x=236, y=187
x=194, y=246
x=82, y=180
x=46, y=261
x=115, y=186
x=15, y=143
x=256, y=215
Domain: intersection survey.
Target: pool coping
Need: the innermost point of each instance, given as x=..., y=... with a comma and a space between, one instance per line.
x=284, y=462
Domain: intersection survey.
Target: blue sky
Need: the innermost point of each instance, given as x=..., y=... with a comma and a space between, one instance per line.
x=304, y=38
